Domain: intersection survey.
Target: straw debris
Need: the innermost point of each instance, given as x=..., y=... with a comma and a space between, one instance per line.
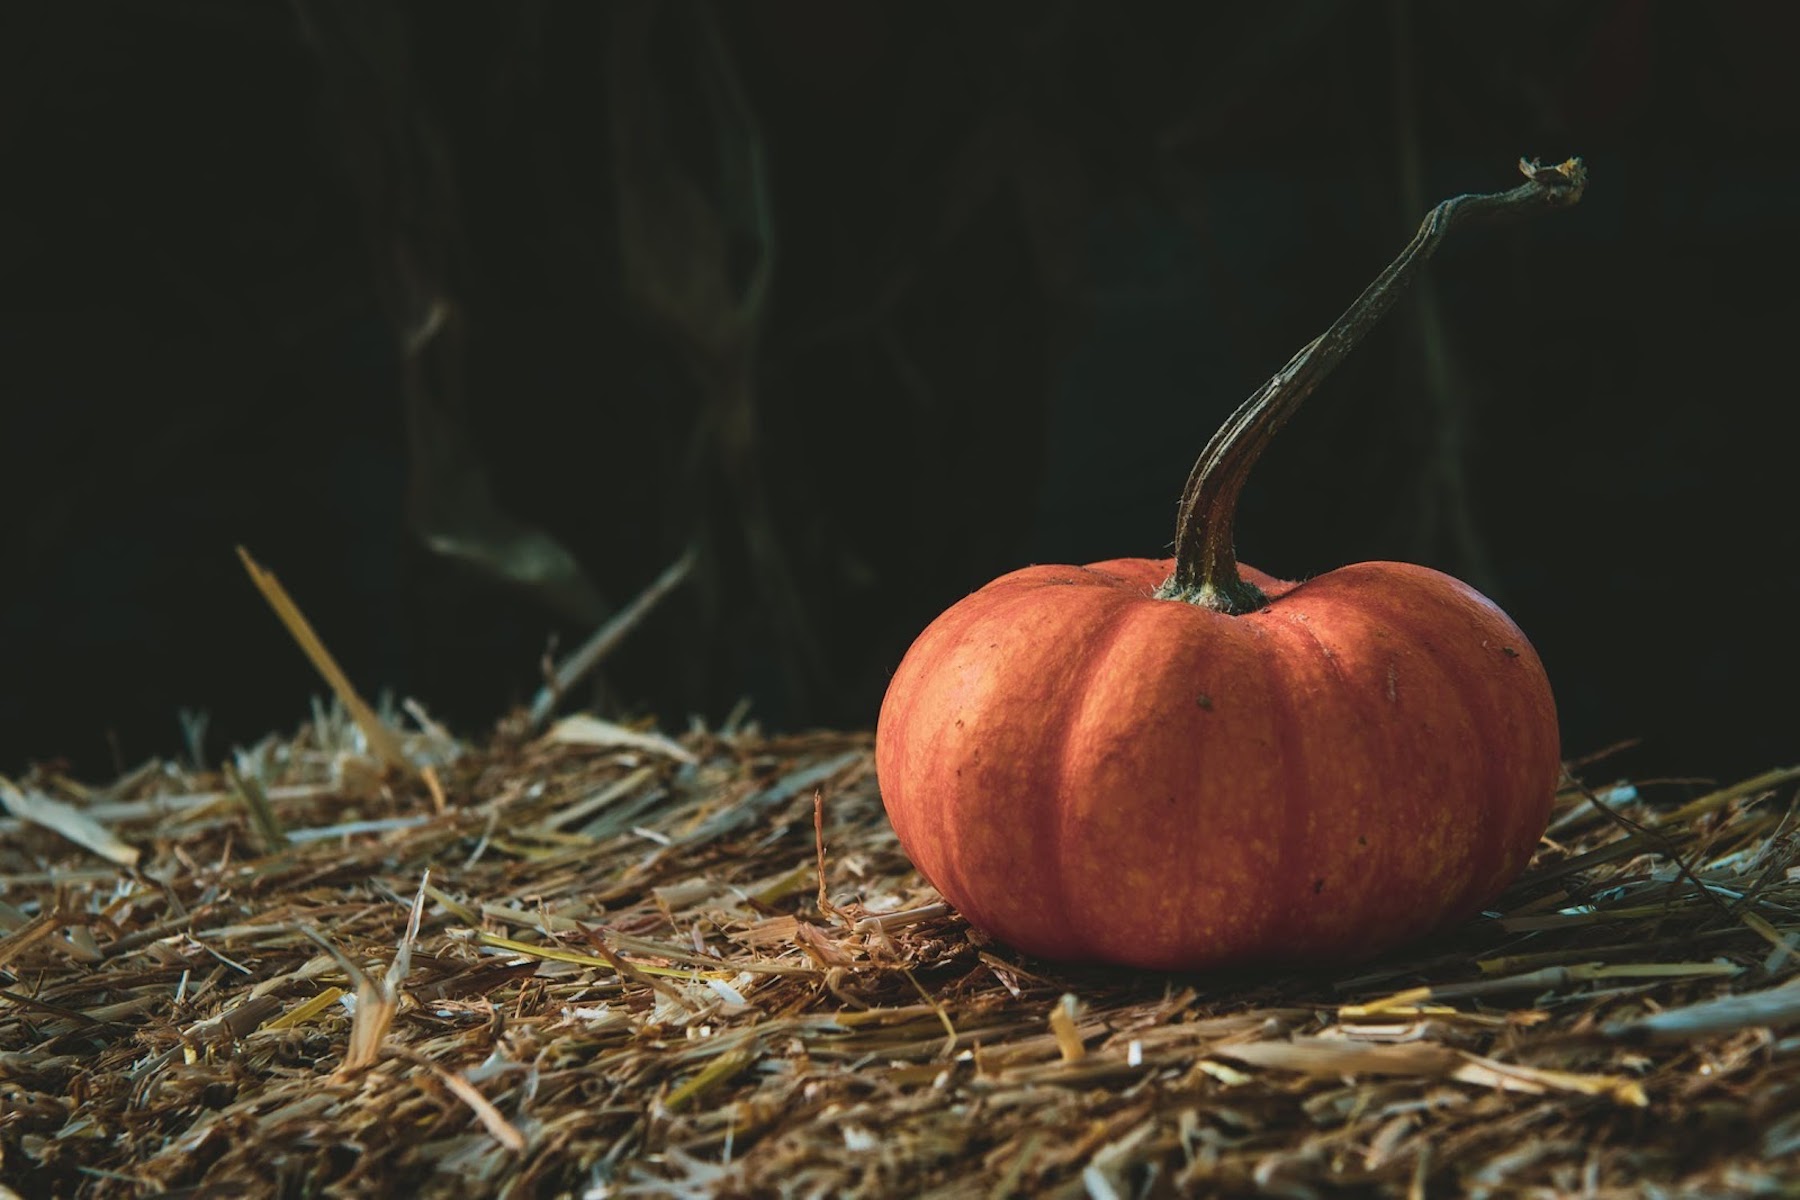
x=614, y=963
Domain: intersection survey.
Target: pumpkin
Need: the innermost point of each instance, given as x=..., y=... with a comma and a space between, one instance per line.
x=1185, y=763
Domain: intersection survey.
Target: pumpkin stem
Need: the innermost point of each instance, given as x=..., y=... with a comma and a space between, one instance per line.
x=1206, y=568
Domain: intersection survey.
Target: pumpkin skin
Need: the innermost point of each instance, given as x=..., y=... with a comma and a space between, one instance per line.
x=1090, y=773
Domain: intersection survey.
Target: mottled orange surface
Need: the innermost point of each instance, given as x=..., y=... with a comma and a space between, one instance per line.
x=1090, y=773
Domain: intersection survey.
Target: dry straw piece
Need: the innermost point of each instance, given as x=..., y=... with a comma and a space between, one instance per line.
x=608, y=966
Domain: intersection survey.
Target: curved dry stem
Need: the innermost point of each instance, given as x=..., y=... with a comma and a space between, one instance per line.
x=1206, y=568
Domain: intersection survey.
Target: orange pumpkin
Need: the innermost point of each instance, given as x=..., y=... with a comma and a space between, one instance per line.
x=1185, y=764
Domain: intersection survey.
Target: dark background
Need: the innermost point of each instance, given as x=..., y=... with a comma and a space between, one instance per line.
x=871, y=303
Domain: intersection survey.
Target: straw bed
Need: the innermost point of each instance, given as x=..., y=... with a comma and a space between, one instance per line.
x=605, y=967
